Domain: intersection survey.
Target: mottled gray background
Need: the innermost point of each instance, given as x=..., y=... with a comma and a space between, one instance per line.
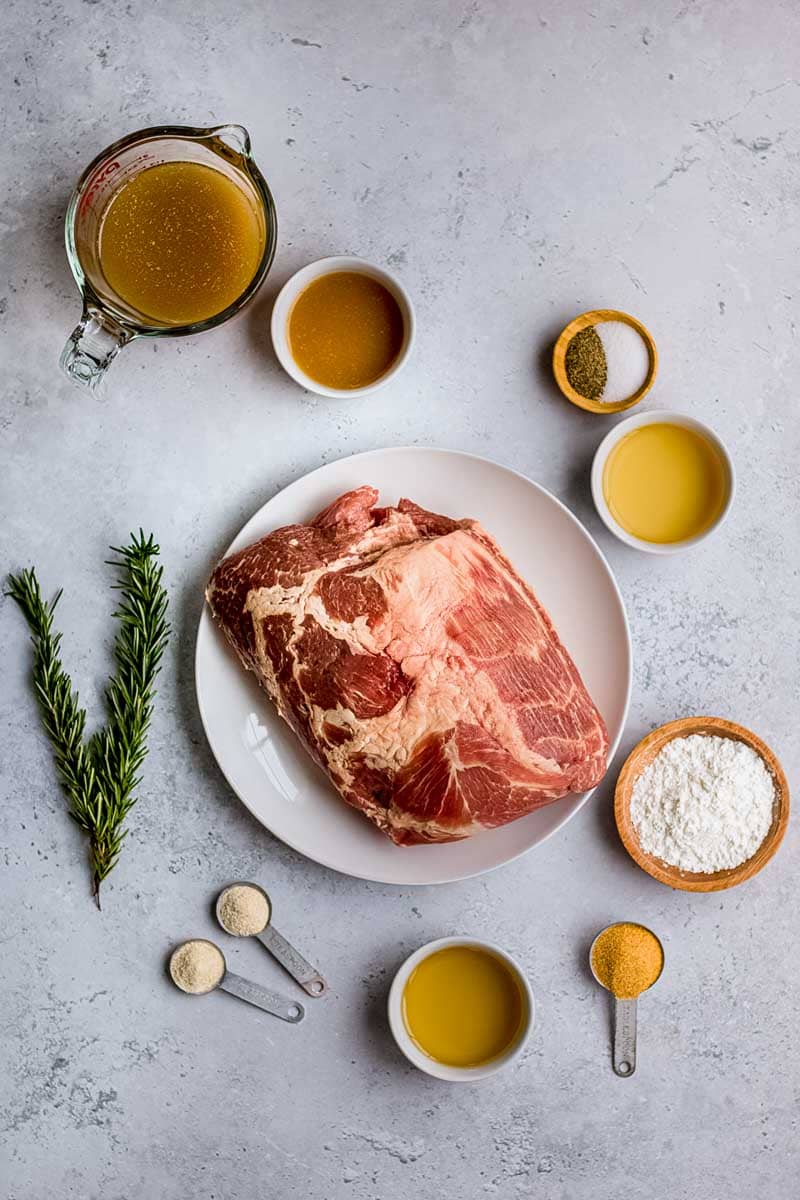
x=516, y=163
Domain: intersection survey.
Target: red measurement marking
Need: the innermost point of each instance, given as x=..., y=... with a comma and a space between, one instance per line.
x=101, y=176
x=95, y=183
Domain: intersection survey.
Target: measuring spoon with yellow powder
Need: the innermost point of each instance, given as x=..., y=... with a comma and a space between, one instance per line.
x=245, y=910
x=198, y=967
x=626, y=959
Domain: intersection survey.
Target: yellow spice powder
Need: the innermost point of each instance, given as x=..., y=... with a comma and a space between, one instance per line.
x=244, y=910
x=197, y=966
x=627, y=959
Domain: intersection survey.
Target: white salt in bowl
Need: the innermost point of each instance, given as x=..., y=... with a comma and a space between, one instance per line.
x=658, y=417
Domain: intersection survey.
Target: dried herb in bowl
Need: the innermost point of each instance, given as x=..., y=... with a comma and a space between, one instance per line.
x=100, y=776
x=585, y=364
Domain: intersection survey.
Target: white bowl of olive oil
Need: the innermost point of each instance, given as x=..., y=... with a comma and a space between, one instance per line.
x=460, y=1009
x=662, y=481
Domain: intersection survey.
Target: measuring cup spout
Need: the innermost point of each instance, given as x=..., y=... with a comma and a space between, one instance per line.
x=235, y=137
x=92, y=346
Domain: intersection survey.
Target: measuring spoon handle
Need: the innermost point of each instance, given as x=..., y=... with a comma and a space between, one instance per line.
x=307, y=976
x=288, y=1010
x=624, y=1061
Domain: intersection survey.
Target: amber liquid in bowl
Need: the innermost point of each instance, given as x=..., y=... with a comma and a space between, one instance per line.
x=665, y=483
x=463, y=1006
x=345, y=330
x=180, y=242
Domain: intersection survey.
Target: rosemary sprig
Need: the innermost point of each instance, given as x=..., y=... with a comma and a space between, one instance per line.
x=100, y=776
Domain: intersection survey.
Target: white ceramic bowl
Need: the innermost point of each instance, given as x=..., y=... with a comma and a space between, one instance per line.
x=658, y=417
x=409, y=1046
x=299, y=281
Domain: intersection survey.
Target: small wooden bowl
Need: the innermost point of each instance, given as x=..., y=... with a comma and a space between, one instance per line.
x=694, y=881
x=560, y=353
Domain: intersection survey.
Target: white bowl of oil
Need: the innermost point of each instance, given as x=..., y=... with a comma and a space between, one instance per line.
x=662, y=481
x=460, y=1009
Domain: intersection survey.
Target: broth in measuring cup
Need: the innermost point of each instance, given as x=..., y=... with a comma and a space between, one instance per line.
x=179, y=242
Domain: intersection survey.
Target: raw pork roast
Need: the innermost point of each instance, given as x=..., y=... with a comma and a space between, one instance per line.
x=416, y=666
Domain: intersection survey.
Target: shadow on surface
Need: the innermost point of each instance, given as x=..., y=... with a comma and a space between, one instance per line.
x=577, y=493
x=601, y=807
x=50, y=225
x=190, y=606
x=257, y=326
x=542, y=364
x=374, y=1020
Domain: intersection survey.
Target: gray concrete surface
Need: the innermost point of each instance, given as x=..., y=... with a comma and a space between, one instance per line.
x=516, y=163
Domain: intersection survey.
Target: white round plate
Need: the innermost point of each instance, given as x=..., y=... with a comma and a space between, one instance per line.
x=267, y=766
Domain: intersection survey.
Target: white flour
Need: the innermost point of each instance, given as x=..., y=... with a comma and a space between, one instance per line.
x=703, y=804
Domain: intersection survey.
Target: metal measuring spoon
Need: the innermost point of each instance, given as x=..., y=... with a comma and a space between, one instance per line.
x=624, y=1049
x=244, y=989
x=290, y=959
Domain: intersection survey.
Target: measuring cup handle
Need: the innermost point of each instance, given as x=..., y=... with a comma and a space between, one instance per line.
x=307, y=976
x=92, y=346
x=253, y=993
x=624, y=1061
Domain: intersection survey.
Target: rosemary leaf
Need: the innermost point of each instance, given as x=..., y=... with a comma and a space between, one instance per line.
x=100, y=776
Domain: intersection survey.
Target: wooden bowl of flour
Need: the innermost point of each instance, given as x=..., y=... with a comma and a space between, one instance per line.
x=643, y=754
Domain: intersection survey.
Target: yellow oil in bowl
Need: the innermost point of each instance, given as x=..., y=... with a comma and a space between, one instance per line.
x=463, y=1006
x=665, y=483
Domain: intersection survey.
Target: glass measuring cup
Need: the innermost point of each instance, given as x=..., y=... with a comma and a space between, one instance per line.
x=109, y=322
x=290, y=959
